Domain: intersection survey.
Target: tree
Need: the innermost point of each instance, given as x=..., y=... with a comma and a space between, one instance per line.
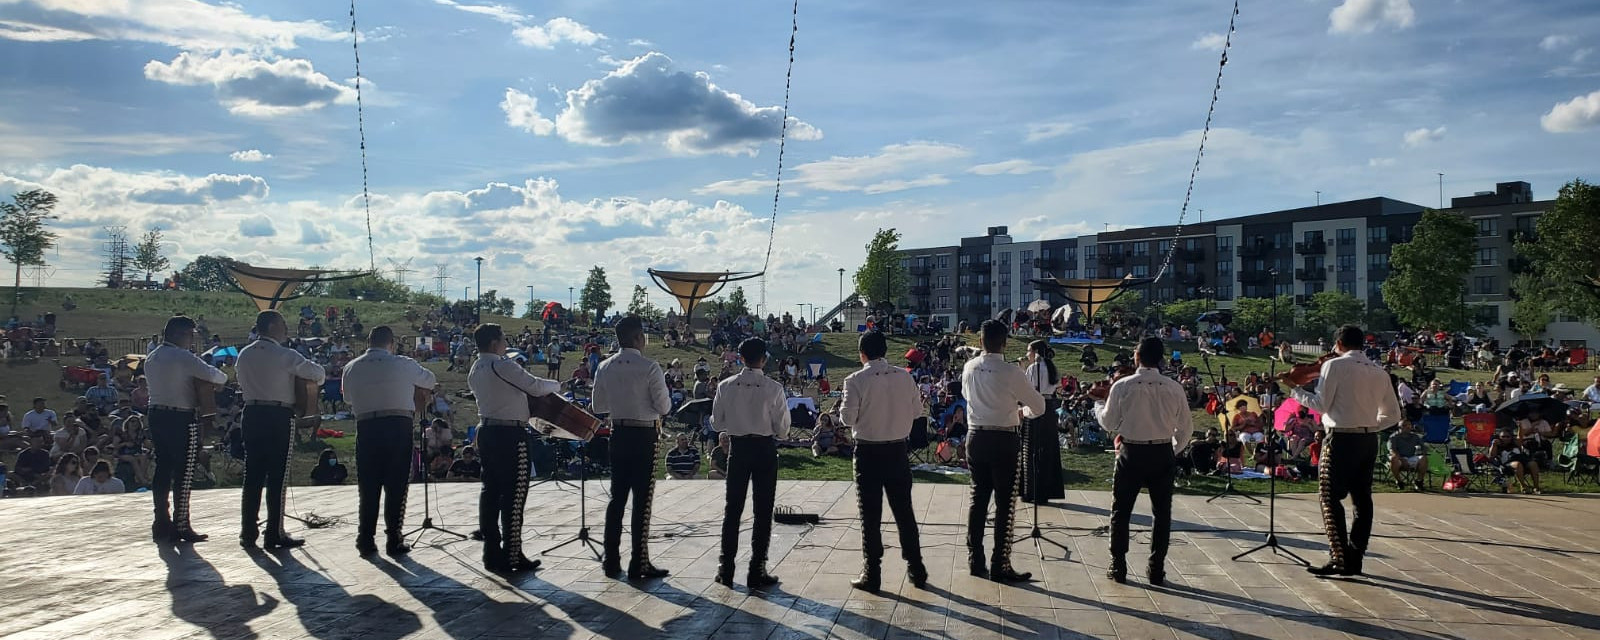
x=1183, y=312
x=1562, y=252
x=1330, y=310
x=880, y=278
x=205, y=273
x=1128, y=301
x=596, y=295
x=23, y=234
x=1531, y=310
x=147, y=256
x=1251, y=315
x=493, y=303
x=639, y=304
x=535, y=310
x=737, y=305
x=1427, y=276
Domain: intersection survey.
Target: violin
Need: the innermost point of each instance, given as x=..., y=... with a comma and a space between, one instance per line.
x=1100, y=390
x=1303, y=374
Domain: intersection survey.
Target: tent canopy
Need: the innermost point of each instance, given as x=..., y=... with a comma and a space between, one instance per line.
x=1091, y=295
x=270, y=287
x=690, y=287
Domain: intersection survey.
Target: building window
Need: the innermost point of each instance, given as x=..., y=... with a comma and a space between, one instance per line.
x=1071, y=274
x=1489, y=315
x=966, y=301
x=1224, y=244
x=1224, y=292
x=1483, y=285
x=1283, y=240
x=1347, y=237
x=1005, y=281
x=1377, y=234
x=1525, y=226
x=1488, y=227
x=1005, y=258
x=1405, y=233
x=1287, y=288
x=1374, y=288
x=1090, y=251
x=1313, y=237
x=1141, y=248
x=1347, y=263
x=1377, y=261
x=1488, y=256
x=944, y=282
x=944, y=261
x=1163, y=247
x=1225, y=268
x=1310, y=289
x=966, y=281
x=1025, y=256
x=1192, y=244
x=905, y=263
x=1190, y=268
x=1091, y=272
x=1117, y=272
x=1141, y=271
x=1347, y=288
x=1072, y=254
x=1044, y=253
x=983, y=258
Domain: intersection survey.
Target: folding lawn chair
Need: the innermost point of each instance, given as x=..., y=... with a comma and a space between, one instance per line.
x=1581, y=468
x=918, y=443
x=1467, y=472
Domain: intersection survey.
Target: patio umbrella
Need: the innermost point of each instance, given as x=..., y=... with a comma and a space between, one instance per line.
x=1004, y=315
x=1039, y=305
x=1540, y=403
x=1217, y=316
x=1287, y=409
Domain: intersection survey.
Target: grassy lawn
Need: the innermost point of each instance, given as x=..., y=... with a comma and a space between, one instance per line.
x=102, y=313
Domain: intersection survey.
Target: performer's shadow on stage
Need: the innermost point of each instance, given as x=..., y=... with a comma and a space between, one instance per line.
x=1180, y=526
x=1350, y=626
x=326, y=609
x=1504, y=606
x=200, y=596
x=467, y=612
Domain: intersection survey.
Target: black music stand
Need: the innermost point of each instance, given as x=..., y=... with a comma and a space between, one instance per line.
x=1272, y=447
x=557, y=477
x=427, y=503
x=583, y=511
x=1034, y=532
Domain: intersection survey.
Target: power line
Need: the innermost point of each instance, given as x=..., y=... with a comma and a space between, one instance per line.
x=361, y=128
x=400, y=269
x=783, y=131
x=1216, y=89
x=441, y=275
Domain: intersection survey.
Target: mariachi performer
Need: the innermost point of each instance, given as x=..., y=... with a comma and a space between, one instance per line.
x=502, y=388
x=1041, y=479
x=268, y=373
x=753, y=410
x=880, y=403
x=633, y=390
x=171, y=371
x=382, y=389
x=994, y=390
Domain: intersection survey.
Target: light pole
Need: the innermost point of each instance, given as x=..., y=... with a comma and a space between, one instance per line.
x=569, y=297
x=477, y=309
x=530, y=300
x=841, y=286
x=800, y=310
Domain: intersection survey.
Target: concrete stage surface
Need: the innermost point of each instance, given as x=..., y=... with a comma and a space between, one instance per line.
x=1441, y=567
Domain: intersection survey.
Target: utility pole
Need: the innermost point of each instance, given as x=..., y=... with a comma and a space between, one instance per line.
x=400, y=270
x=531, y=310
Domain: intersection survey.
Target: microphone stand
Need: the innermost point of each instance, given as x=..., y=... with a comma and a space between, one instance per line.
x=1034, y=533
x=427, y=508
x=583, y=511
x=1273, y=453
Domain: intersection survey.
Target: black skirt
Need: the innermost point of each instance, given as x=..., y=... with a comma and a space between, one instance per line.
x=1043, y=463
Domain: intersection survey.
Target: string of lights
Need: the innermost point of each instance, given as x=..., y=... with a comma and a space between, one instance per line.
x=361, y=128
x=783, y=131
x=1205, y=132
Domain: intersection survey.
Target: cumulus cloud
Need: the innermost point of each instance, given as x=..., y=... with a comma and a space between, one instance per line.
x=257, y=226
x=555, y=31
x=108, y=188
x=249, y=155
x=646, y=100
x=1212, y=41
x=878, y=173
x=1423, y=136
x=1366, y=16
x=1009, y=167
x=1556, y=41
x=187, y=24
x=253, y=86
x=311, y=234
x=1577, y=114
x=1041, y=131
x=522, y=112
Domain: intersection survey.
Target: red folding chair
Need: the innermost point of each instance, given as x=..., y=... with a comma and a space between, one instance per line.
x=1480, y=429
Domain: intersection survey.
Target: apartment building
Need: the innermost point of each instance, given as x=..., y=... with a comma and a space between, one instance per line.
x=1342, y=246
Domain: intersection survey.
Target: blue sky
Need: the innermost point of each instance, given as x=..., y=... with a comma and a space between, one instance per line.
x=550, y=137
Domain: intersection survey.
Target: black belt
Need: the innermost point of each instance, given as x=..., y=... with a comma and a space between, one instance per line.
x=497, y=422
x=1356, y=432
x=387, y=413
x=1127, y=441
x=871, y=442
x=753, y=436
x=635, y=424
x=269, y=403
x=165, y=407
x=996, y=428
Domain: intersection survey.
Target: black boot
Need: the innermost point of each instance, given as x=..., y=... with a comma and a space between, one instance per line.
x=518, y=562
x=161, y=530
x=1119, y=570
x=976, y=564
x=643, y=570
x=612, y=566
x=1330, y=569
x=396, y=546
x=1002, y=572
x=281, y=540
x=725, y=574
x=917, y=573
x=366, y=546
x=188, y=535
x=758, y=578
x=1157, y=573
x=871, y=578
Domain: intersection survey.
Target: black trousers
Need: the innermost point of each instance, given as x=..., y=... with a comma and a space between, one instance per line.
x=266, y=462
x=383, y=464
x=176, y=439
x=1346, y=470
x=1143, y=466
x=504, y=451
x=753, y=461
x=992, y=457
x=633, y=452
x=882, y=469
x=1042, y=446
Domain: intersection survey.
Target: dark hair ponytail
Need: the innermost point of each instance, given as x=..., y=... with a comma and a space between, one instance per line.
x=1047, y=355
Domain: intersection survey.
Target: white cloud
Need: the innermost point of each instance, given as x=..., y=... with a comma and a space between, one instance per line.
x=1581, y=54
x=1380, y=162
x=311, y=234
x=1009, y=167
x=187, y=24
x=1212, y=41
x=498, y=12
x=1423, y=136
x=257, y=226
x=1046, y=130
x=252, y=86
x=890, y=186
x=555, y=31
x=646, y=100
x=1365, y=16
x=249, y=155
x=1577, y=114
x=873, y=174
x=522, y=112
x=1556, y=41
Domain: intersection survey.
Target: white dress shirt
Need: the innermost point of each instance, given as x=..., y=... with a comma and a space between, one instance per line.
x=1406, y=394
x=267, y=371
x=170, y=371
x=880, y=402
x=1353, y=393
x=750, y=404
x=502, y=387
x=1147, y=406
x=994, y=388
x=1039, y=377
x=382, y=381
x=630, y=386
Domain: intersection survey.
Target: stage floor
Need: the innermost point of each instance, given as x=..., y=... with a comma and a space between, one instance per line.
x=1442, y=567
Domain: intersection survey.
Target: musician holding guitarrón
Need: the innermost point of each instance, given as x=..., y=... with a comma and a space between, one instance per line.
x=268, y=373
x=382, y=389
x=633, y=390
x=502, y=388
x=171, y=370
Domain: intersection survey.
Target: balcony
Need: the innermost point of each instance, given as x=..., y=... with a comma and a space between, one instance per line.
x=978, y=267
x=921, y=269
x=1255, y=276
x=921, y=290
x=1113, y=259
x=1045, y=263
x=1254, y=250
x=1302, y=300
x=1315, y=248
x=1191, y=255
x=1311, y=275
x=1192, y=278
x=978, y=307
